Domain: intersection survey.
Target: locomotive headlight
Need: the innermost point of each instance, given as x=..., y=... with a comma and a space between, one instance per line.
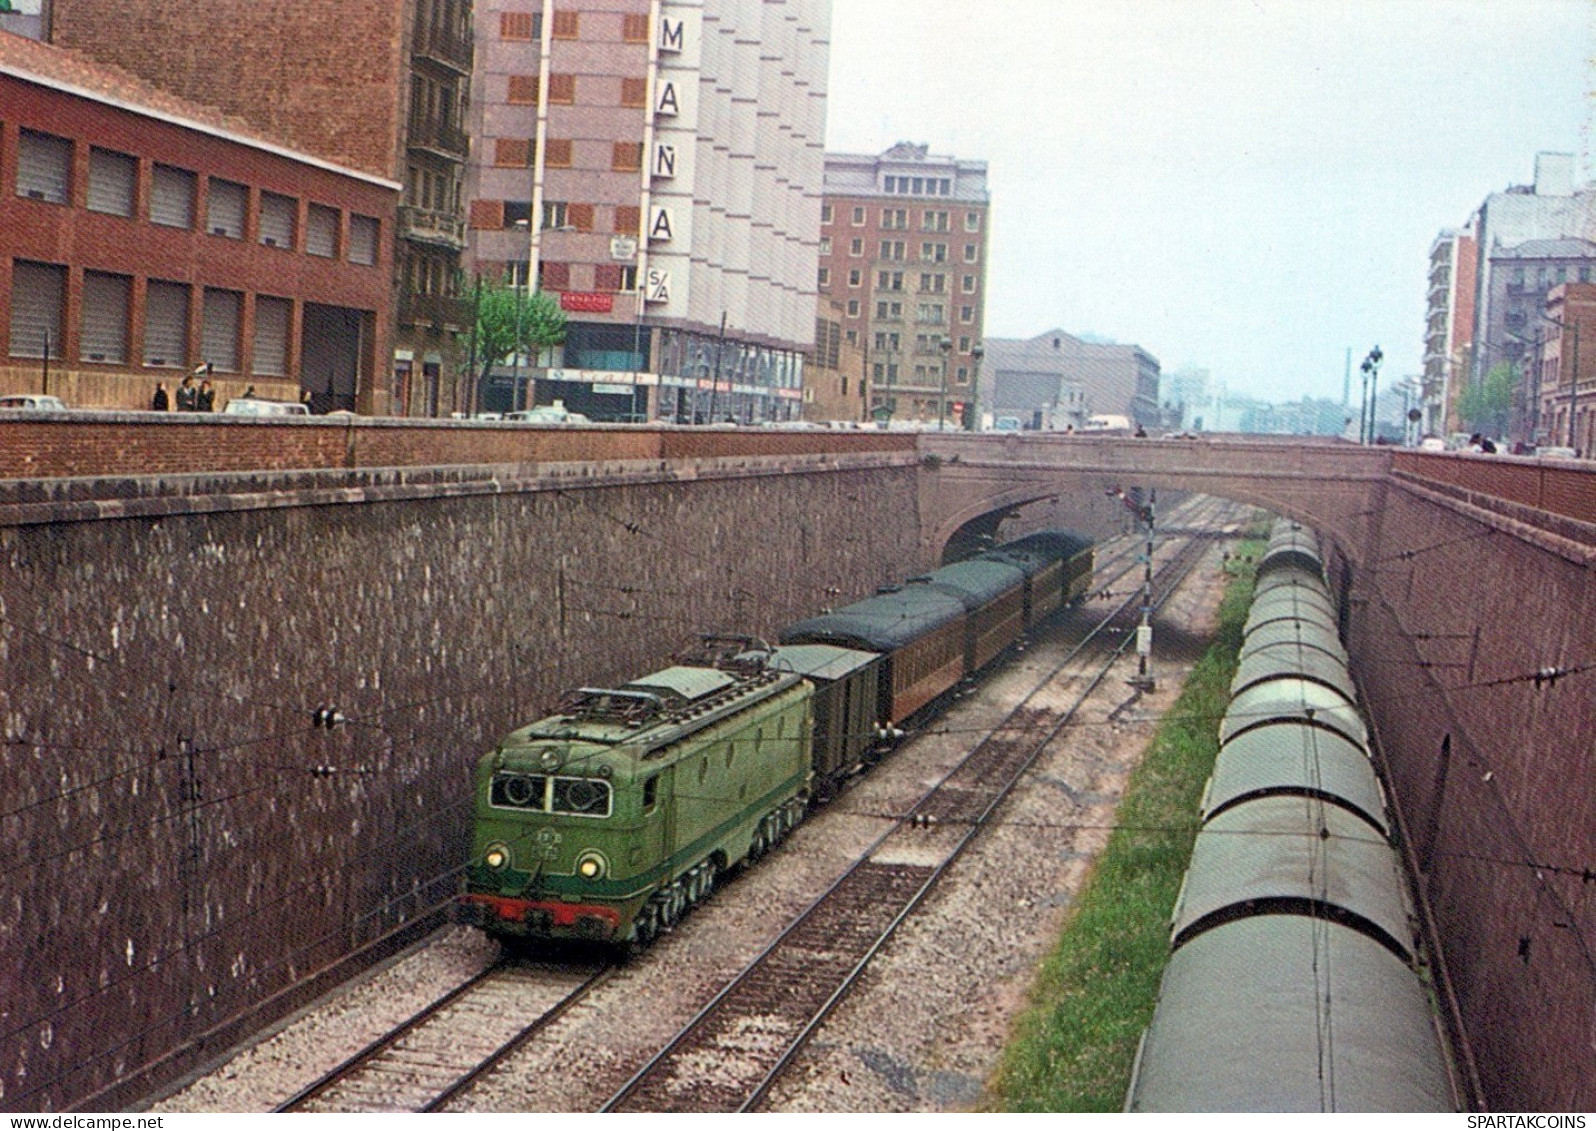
x=497, y=856
x=591, y=865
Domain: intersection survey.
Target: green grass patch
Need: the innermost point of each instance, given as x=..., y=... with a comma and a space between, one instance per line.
x=1074, y=1046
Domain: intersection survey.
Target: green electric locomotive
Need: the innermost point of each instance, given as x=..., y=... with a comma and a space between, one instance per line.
x=607, y=820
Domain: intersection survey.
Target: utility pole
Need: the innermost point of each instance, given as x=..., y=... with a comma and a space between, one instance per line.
x=1144, y=632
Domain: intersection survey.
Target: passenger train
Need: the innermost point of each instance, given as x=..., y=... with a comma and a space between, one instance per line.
x=609, y=818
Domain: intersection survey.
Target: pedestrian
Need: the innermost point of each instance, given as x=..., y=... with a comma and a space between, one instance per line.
x=304, y=399
x=187, y=396
x=249, y=394
x=205, y=400
x=160, y=402
x=1141, y=433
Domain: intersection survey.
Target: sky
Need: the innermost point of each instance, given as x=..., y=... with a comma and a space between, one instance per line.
x=1246, y=186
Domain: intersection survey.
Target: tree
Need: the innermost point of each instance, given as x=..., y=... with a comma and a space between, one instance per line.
x=1487, y=407
x=511, y=320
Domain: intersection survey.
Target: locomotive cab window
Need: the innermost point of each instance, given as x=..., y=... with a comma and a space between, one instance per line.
x=583, y=797
x=650, y=793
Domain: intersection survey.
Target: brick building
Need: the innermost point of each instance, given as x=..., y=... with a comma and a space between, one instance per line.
x=903, y=250
x=142, y=235
x=1565, y=380
x=835, y=388
x=1448, y=328
x=379, y=86
x=657, y=165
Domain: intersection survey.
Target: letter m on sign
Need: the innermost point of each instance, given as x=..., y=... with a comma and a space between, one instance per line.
x=670, y=34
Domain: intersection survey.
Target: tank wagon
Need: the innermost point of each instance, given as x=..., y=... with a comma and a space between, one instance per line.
x=1293, y=981
x=611, y=817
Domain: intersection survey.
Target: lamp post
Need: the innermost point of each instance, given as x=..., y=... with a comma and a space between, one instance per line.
x=1371, y=391
x=945, y=346
x=972, y=406
x=515, y=358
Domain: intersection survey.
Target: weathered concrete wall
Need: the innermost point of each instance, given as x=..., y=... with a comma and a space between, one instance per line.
x=1492, y=770
x=184, y=844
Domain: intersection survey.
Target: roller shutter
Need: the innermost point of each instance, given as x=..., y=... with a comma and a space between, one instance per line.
x=272, y=316
x=44, y=167
x=224, y=213
x=112, y=177
x=172, y=197
x=277, y=214
x=166, y=325
x=36, y=293
x=219, y=335
x=321, y=231
x=362, y=240
x=105, y=303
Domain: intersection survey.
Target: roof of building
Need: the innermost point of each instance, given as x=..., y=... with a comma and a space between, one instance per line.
x=1567, y=248
x=73, y=73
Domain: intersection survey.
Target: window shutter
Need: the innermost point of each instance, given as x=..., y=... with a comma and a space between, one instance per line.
x=557, y=152
x=44, y=167
x=363, y=240
x=272, y=317
x=224, y=214
x=105, y=300
x=36, y=293
x=487, y=215
x=523, y=90
x=219, y=334
x=580, y=217
x=112, y=177
x=321, y=231
x=277, y=215
x=172, y=197
x=166, y=325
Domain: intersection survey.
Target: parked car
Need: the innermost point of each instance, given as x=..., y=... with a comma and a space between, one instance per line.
x=547, y=414
x=1556, y=453
x=39, y=402
x=1432, y=444
x=254, y=406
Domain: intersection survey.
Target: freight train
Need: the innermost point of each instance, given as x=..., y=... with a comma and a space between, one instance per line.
x=610, y=818
x=1293, y=981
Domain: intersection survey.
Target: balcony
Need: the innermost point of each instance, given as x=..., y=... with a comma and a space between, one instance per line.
x=444, y=139
x=444, y=47
x=442, y=229
x=441, y=312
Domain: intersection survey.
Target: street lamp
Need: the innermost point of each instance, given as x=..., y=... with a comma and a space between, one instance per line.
x=972, y=404
x=1371, y=390
x=946, y=348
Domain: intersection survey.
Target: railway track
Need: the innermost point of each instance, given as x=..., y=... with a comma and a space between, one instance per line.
x=442, y=1050
x=730, y=1054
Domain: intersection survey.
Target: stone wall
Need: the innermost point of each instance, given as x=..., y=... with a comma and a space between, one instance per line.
x=186, y=846
x=1491, y=769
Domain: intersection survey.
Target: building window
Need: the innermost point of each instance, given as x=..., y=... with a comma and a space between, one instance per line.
x=933, y=284
x=628, y=278
x=554, y=215
x=321, y=231
x=219, y=329
x=962, y=377
x=971, y=252
x=894, y=218
x=37, y=293
x=517, y=26
x=104, y=318
x=562, y=89
x=935, y=221
x=964, y=343
x=607, y=277
x=567, y=24
x=825, y=213
x=522, y=90
x=972, y=221
x=825, y=245
x=853, y=308
x=823, y=277
x=889, y=311
x=891, y=249
x=626, y=157
x=486, y=215
x=858, y=216
x=968, y=282
x=634, y=27
x=967, y=314
x=225, y=208
x=856, y=247
x=634, y=92
x=165, y=325
x=557, y=152
x=44, y=167
x=112, y=181
x=363, y=232
x=933, y=253
x=889, y=281
x=932, y=312
x=513, y=152
x=272, y=319
x=554, y=276
x=277, y=219
x=172, y=197
x=580, y=216
x=855, y=277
